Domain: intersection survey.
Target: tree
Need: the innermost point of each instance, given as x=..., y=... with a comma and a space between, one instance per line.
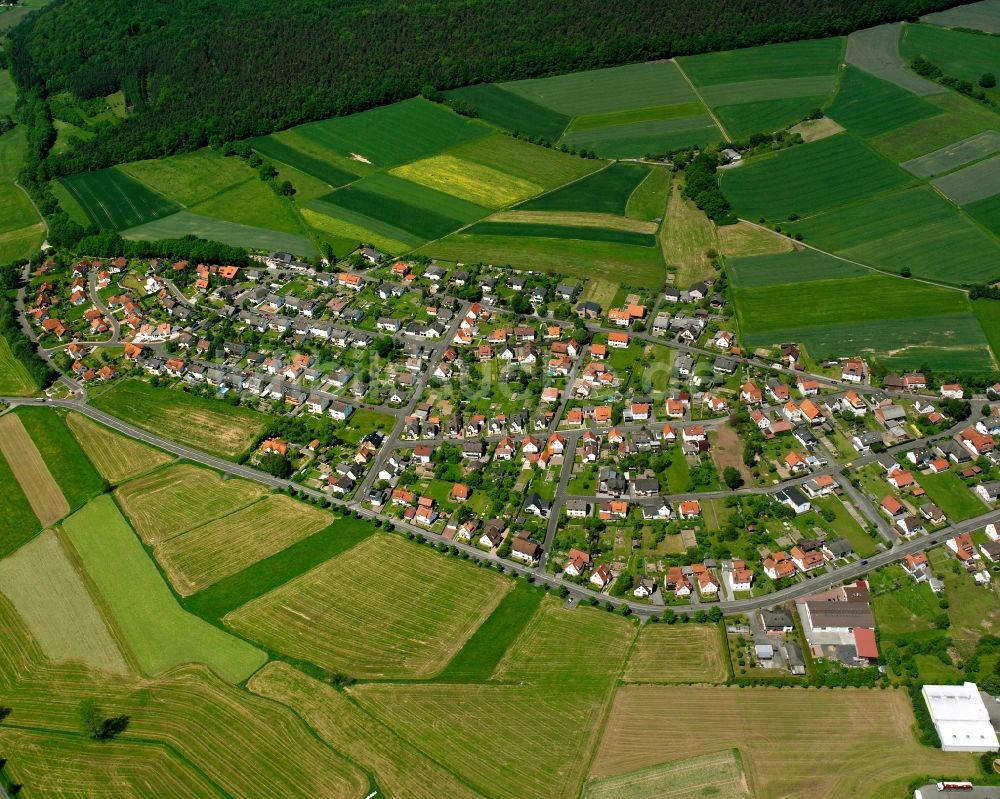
x=732, y=478
x=97, y=725
x=275, y=464
x=988, y=80
x=905, y=272
x=4, y=712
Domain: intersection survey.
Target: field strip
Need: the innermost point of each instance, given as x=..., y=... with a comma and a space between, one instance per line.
x=577, y=218
x=25, y=461
x=701, y=99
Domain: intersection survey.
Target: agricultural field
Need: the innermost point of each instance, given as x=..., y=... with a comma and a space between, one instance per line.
x=745, y=239
x=955, y=155
x=190, y=178
x=877, y=51
x=686, y=237
x=201, y=556
x=958, y=53
x=981, y=16
x=604, y=192
x=158, y=632
x=185, y=223
x=475, y=183
x=341, y=615
x=961, y=118
x=987, y=213
x=574, y=219
x=845, y=725
x=976, y=182
x=800, y=266
x=678, y=654
x=171, y=501
x=113, y=200
x=203, y=423
x=989, y=320
x=29, y=469
x=21, y=231
x=14, y=378
x=284, y=151
x=511, y=111
x=649, y=200
x=546, y=230
x=21, y=521
x=41, y=583
x=716, y=774
x=868, y=106
x=116, y=457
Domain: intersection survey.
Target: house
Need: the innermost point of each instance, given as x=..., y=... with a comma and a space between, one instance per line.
x=577, y=508
x=853, y=371
x=459, y=492
x=837, y=549
x=689, y=509
x=963, y=547
x=821, y=486
x=739, y=576
x=807, y=387
x=989, y=491
x=601, y=576
x=750, y=394
x=525, y=549
x=776, y=621
x=779, y=566
x=917, y=566
x=807, y=561
x=577, y=564
x=644, y=588
x=794, y=499
x=960, y=718
x=952, y=391
x=537, y=506
x=618, y=340
x=892, y=507
x=707, y=584
x=991, y=551
x=676, y=581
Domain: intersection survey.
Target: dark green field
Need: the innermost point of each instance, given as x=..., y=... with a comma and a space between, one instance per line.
x=868, y=106
x=788, y=267
x=114, y=201
x=511, y=111
x=270, y=147
x=604, y=192
x=766, y=116
x=19, y=522
x=563, y=232
x=987, y=213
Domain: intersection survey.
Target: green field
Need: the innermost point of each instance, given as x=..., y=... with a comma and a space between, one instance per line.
x=766, y=116
x=867, y=105
x=159, y=633
x=954, y=497
x=190, y=178
x=20, y=522
x=810, y=57
x=716, y=774
x=987, y=213
x=547, y=167
x=877, y=50
x=972, y=183
x=280, y=150
x=789, y=267
x=646, y=137
x=988, y=315
x=114, y=201
x=562, y=232
x=957, y=154
x=809, y=178
x=981, y=16
x=649, y=199
x=604, y=192
x=511, y=111
x=14, y=378
x=207, y=424
x=354, y=228
x=959, y=54
x=76, y=476
x=467, y=180
x=961, y=119
x=21, y=231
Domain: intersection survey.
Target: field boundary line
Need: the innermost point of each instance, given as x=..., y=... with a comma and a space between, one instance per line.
x=701, y=99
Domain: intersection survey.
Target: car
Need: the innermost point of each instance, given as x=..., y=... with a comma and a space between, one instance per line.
x=864, y=563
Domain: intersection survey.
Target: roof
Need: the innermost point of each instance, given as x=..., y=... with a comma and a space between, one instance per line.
x=864, y=640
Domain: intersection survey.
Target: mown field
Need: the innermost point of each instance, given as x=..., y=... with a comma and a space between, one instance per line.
x=49, y=595
x=116, y=457
x=190, y=178
x=206, y=424
x=717, y=774
x=29, y=469
x=686, y=238
x=844, y=725
x=14, y=378
x=158, y=632
x=673, y=653
x=114, y=201
x=346, y=614
x=743, y=239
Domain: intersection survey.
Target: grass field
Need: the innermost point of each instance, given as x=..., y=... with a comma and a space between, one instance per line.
x=981, y=16
x=948, y=492
x=29, y=469
x=809, y=178
x=766, y=116
x=717, y=774
x=557, y=231
x=69, y=465
x=21, y=524
x=649, y=199
x=800, y=266
x=955, y=155
x=867, y=105
x=185, y=223
x=251, y=204
x=203, y=423
x=989, y=320
x=511, y=111
x=547, y=167
x=674, y=653
x=171, y=501
x=14, y=378
x=604, y=192
x=467, y=180
x=114, y=201
x=972, y=183
x=41, y=583
x=744, y=239
x=809, y=57
x=200, y=557
x=347, y=615
x=958, y=53
x=910, y=608
x=649, y=136
x=21, y=231
x=116, y=457
x=876, y=50
x=973, y=610
x=280, y=150
x=845, y=726
x=190, y=178
x=961, y=118
x=330, y=220
x=577, y=219
x=686, y=236
x=159, y=633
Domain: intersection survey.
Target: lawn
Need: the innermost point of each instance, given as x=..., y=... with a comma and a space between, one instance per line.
x=159, y=633
x=114, y=201
x=116, y=457
x=955, y=155
x=976, y=182
x=347, y=614
x=868, y=106
x=809, y=178
x=185, y=223
x=801, y=266
x=845, y=525
x=691, y=653
x=190, y=178
x=717, y=774
x=686, y=237
x=29, y=469
x=511, y=111
x=606, y=192
x=876, y=50
x=467, y=180
x=14, y=378
x=948, y=492
x=284, y=152
x=50, y=596
x=207, y=424
x=845, y=725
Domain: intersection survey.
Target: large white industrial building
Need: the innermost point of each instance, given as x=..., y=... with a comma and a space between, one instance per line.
x=961, y=718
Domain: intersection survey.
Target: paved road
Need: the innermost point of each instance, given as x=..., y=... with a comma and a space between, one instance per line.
x=95, y=298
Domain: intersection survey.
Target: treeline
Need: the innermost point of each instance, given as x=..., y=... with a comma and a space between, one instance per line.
x=107, y=244
x=20, y=345
x=701, y=187
x=202, y=71
x=927, y=69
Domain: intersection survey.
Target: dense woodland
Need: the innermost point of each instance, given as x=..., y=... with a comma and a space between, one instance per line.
x=198, y=71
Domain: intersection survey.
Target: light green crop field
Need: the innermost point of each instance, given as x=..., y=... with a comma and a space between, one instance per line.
x=467, y=180
x=159, y=633
x=114, y=201
x=252, y=204
x=981, y=16
x=603, y=91
x=203, y=423
x=648, y=200
x=989, y=319
x=961, y=119
x=14, y=378
x=868, y=106
x=810, y=178
x=747, y=91
x=116, y=457
x=547, y=167
x=955, y=155
x=766, y=116
x=915, y=228
x=329, y=220
x=877, y=50
x=650, y=136
x=791, y=60
x=788, y=267
x=674, y=653
x=40, y=582
x=347, y=615
x=190, y=178
x=717, y=774
x=987, y=213
x=977, y=182
x=511, y=111
x=745, y=239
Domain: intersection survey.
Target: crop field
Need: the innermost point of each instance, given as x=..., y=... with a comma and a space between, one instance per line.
x=686, y=236
x=114, y=201
x=809, y=57
x=981, y=16
x=845, y=725
x=877, y=50
x=343, y=615
x=604, y=192
x=202, y=556
x=675, y=653
x=977, y=182
x=989, y=319
x=21, y=523
x=203, y=423
x=476, y=183
x=30, y=471
x=329, y=219
x=744, y=240
x=717, y=774
x=557, y=231
x=185, y=223
x=576, y=219
x=393, y=134
x=14, y=378
x=511, y=111
x=16, y=212
x=649, y=199
x=809, y=178
x=789, y=267
x=958, y=53
x=402, y=769
x=282, y=151
x=867, y=105
x=40, y=582
x=158, y=632
x=252, y=204
x=961, y=119
x=957, y=154
x=915, y=228
x=987, y=213
x=638, y=138
x=190, y=178
x=66, y=461
x=765, y=116
x=548, y=168
x=170, y=501
x=116, y=457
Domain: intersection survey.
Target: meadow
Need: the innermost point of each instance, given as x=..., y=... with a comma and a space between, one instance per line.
x=867, y=105
x=648, y=136
x=345, y=222
x=116, y=457
x=14, y=378
x=21, y=231
x=577, y=219
x=845, y=725
x=686, y=237
x=716, y=774
x=989, y=319
x=29, y=469
x=955, y=155
x=41, y=583
x=546, y=167
x=648, y=200
x=987, y=213
x=209, y=425
x=190, y=178
x=604, y=192
x=952, y=495
x=158, y=632
x=346, y=614
x=511, y=111
x=911, y=607
x=877, y=50
x=114, y=201
x=690, y=653
x=745, y=239
x=976, y=182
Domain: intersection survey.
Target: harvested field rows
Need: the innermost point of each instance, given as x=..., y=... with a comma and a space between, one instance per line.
x=385, y=608
x=168, y=502
x=41, y=490
x=717, y=774
x=116, y=457
x=669, y=653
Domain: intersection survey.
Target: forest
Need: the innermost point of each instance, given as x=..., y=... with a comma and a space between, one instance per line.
x=196, y=72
